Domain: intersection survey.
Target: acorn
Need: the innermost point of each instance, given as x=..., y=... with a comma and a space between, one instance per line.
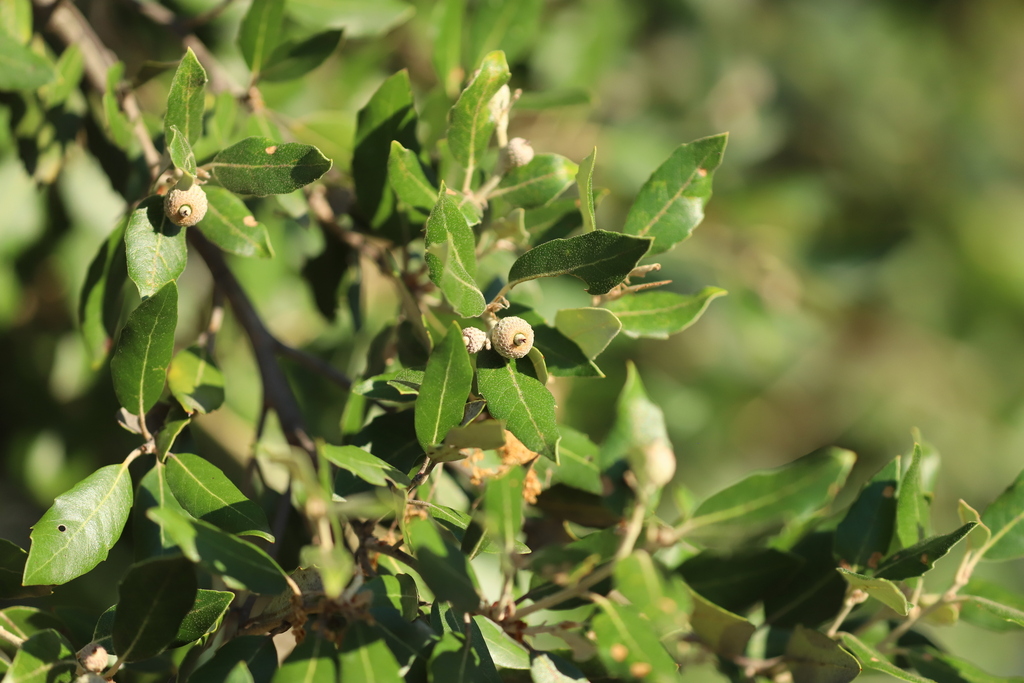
x=476, y=339
x=512, y=337
x=185, y=204
x=93, y=657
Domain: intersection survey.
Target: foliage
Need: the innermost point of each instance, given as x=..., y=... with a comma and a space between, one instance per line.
x=449, y=526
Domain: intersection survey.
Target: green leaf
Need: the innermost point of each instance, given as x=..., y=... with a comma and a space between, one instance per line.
x=70, y=67
x=560, y=355
x=883, y=590
x=181, y=152
x=946, y=668
x=1004, y=612
x=448, y=44
x=980, y=537
x=398, y=591
x=766, y=500
x=260, y=33
x=585, y=183
x=592, y=329
x=919, y=558
x=485, y=435
x=315, y=660
x=445, y=388
x=100, y=304
x=471, y=122
x=444, y=569
x=548, y=668
x=16, y=20
x=80, y=528
x=639, y=578
x=508, y=25
x=294, y=59
x=259, y=166
x=204, y=616
x=601, y=259
x=628, y=646
x=671, y=203
x=139, y=364
x=364, y=465
x=174, y=424
x=864, y=535
x=118, y=125
x=815, y=593
x=24, y=621
x=452, y=256
x=239, y=674
x=207, y=494
x=21, y=68
x=977, y=615
x=657, y=315
x=389, y=115
x=229, y=224
x=408, y=179
x=1003, y=517
x=876, y=661
x=526, y=406
x=722, y=631
x=455, y=660
x=257, y=652
x=911, y=504
x=813, y=657
x=242, y=565
x=639, y=434
x=577, y=466
x=503, y=508
x=502, y=648
x=46, y=657
x=155, y=247
x=537, y=183
x=365, y=656
x=196, y=381
x=143, y=628
x=359, y=18
x=12, y=568
x=738, y=580
x=186, y=99
x=150, y=538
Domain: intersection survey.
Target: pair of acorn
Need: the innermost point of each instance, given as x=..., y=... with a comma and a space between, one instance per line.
x=512, y=337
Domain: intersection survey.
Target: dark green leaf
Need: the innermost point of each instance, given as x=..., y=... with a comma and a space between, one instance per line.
x=155, y=247
x=150, y=538
x=537, y=183
x=12, y=568
x=21, y=68
x=471, y=122
x=813, y=657
x=242, y=565
x=257, y=652
x=143, y=628
x=765, y=500
x=315, y=660
x=445, y=388
x=585, y=183
x=657, y=315
x=876, y=661
x=204, y=616
x=448, y=44
x=99, y=305
x=260, y=166
x=207, y=494
x=408, y=179
x=601, y=259
x=526, y=405
x=364, y=465
x=671, y=203
x=365, y=657
x=452, y=256
x=592, y=329
x=260, y=32
x=911, y=504
x=389, y=115
x=186, y=99
x=181, y=152
x=883, y=590
x=738, y=580
x=24, y=621
x=919, y=558
x=1003, y=517
x=229, y=224
x=359, y=18
x=562, y=357
x=139, y=364
x=46, y=657
x=815, y=593
x=196, y=381
x=863, y=537
x=80, y=528
x=398, y=591
x=628, y=646
x=295, y=58
x=444, y=569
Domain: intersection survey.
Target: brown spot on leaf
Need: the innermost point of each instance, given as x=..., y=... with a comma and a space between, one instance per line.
x=250, y=222
x=640, y=669
x=924, y=558
x=888, y=492
x=271, y=149
x=702, y=172
x=619, y=652
x=875, y=558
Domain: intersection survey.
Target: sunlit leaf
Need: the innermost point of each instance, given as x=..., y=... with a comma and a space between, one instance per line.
x=229, y=224
x=155, y=247
x=526, y=405
x=592, y=329
x=657, y=315
x=872, y=659
x=445, y=388
x=863, y=537
x=260, y=166
x=207, y=494
x=601, y=259
x=186, y=99
x=883, y=590
x=46, y=657
x=813, y=657
x=452, y=256
x=470, y=121
x=919, y=558
x=537, y=183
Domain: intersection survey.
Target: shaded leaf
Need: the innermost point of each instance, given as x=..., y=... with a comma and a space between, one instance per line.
x=259, y=166
x=503, y=508
x=872, y=659
x=736, y=581
x=207, y=494
x=864, y=535
x=919, y=558
x=537, y=183
x=12, y=568
x=657, y=315
x=585, y=183
x=173, y=425
x=99, y=305
x=911, y=505
x=397, y=591
x=229, y=224
x=360, y=19
x=947, y=668
x=257, y=652
x=80, y=528
x=295, y=58
x=1003, y=517
x=204, y=617
x=143, y=353
x=364, y=465
x=526, y=406
x=407, y=179
x=314, y=660
x=601, y=259
x=628, y=646
x=883, y=590
x=978, y=615
x=592, y=329
x=154, y=247
x=153, y=491
x=815, y=593
x=364, y=656
x=46, y=657
x=507, y=25
x=549, y=668
x=260, y=32
x=196, y=381
x=561, y=356
x=577, y=466
x=671, y=203
x=239, y=674
x=445, y=570
x=813, y=657
x=186, y=99
x=70, y=67
x=144, y=628
x=445, y=388
x=451, y=256
x=119, y=128
x=447, y=55
x=471, y=123
x=21, y=68
x=1013, y=615
x=454, y=660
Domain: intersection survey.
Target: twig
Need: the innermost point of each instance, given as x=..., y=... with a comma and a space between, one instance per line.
x=854, y=597
x=391, y=551
x=10, y=637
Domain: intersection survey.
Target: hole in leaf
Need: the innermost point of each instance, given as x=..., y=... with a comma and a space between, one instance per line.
x=61, y=528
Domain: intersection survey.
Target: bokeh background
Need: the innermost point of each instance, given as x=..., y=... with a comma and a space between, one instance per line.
x=868, y=222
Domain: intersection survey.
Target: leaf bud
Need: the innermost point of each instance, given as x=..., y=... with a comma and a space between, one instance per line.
x=512, y=337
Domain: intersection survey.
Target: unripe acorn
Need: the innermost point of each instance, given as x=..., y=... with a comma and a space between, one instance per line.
x=185, y=205
x=93, y=657
x=518, y=152
x=512, y=337
x=475, y=339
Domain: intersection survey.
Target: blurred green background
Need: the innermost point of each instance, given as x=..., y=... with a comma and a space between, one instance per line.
x=868, y=223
